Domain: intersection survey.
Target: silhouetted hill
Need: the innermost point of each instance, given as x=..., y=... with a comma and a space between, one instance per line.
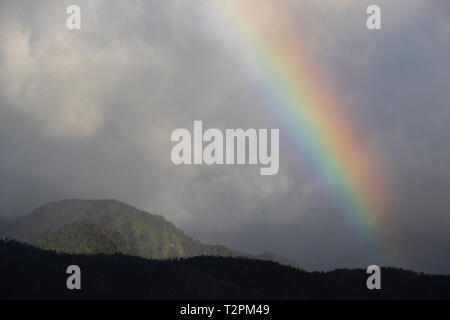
x=28, y=272
x=109, y=226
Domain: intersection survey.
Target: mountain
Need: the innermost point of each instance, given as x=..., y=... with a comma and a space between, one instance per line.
x=30, y=273
x=110, y=226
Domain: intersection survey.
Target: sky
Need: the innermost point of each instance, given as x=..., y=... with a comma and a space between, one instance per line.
x=89, y=114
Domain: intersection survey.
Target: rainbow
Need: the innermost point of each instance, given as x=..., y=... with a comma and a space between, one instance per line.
x=309, y=110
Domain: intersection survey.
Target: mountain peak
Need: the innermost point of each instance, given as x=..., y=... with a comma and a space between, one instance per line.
x=110, y=226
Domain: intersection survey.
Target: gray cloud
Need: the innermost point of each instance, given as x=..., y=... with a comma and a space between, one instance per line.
x=89, y=114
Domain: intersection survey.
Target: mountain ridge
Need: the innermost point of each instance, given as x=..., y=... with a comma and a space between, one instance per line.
x=109, y=226
x=27, y=272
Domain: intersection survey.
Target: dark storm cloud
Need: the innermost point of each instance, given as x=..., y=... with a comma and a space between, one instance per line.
x=89, y=114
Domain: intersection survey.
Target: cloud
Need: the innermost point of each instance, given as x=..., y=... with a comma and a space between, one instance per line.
x=61, y=80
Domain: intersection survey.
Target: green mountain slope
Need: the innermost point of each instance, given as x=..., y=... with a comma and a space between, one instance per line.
x=109, y=226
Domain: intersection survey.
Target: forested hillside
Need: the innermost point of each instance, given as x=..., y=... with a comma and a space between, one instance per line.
x=110, y=226
x=28, y=272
